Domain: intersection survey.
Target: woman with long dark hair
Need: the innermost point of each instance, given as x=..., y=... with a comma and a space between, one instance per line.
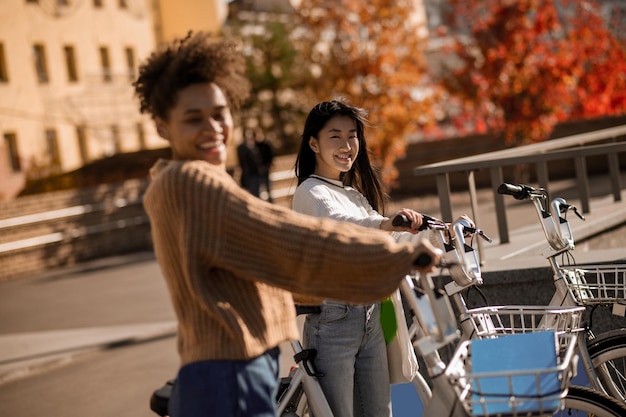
x=337, y=180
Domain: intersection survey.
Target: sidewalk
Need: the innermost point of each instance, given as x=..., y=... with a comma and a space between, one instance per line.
x=26, y=353
x=22, y=354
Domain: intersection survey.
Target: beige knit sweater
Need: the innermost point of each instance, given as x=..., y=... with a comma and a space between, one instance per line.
x=231, y=261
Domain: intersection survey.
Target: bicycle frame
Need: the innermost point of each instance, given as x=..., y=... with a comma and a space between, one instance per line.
x=436, y=328
x=304, y=374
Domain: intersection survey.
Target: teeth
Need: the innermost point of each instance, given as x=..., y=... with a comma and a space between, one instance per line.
x=209, y=145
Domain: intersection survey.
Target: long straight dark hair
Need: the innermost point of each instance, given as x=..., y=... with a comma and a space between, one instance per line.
x=363, y=175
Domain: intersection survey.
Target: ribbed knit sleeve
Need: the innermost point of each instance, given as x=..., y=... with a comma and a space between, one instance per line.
x=231, y=261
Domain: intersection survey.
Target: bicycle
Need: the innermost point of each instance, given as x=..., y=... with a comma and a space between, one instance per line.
x=585, y=285
x=456, y=387
x=466, y=273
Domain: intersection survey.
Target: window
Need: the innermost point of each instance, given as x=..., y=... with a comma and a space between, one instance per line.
x=115, y=139
x=70, y=63
x=141, y=136
x=10, y=142
x=81, y=135
x=52, y=145
x=105, y=63
x=4, y=75
x=40, y=63
x=130, y=62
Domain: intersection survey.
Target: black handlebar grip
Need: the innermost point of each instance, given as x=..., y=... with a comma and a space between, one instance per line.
x=401, y=221
x=422, y=260
x=519, y=192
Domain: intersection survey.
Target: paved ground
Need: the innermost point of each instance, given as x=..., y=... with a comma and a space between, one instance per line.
x=602, y=237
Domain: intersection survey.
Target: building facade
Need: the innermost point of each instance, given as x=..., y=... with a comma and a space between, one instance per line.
x=66, y=72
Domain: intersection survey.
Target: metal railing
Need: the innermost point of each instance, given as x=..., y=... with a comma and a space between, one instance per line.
x=576, y=148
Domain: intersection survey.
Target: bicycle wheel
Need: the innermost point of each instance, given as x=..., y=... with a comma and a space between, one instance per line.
x=608, y=355
x=581, y=402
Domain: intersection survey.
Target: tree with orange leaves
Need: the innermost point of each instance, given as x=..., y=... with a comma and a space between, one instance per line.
x=529, y=64
x=371, y=52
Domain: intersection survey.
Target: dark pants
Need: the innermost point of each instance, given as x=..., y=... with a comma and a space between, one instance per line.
x=227, y=388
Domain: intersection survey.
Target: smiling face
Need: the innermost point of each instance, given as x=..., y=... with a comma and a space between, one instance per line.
x=199, y=125
x=336, y=147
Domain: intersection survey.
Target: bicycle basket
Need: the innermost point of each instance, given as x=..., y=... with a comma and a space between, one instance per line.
x=495, y=321
x=596, y=284
x=515, y=375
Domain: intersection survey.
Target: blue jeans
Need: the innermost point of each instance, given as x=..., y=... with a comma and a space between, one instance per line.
x=227, y=388
x=352, y=354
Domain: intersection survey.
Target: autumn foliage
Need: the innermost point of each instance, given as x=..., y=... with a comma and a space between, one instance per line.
x=528, y=64
x=371, y=52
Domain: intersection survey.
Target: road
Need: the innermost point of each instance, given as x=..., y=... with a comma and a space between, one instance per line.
x=69, y=345
x=116, y=381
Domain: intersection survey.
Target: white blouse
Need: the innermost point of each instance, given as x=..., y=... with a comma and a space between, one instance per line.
x=322, y=197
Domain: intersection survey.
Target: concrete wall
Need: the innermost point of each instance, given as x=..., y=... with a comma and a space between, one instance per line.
x=47, y=231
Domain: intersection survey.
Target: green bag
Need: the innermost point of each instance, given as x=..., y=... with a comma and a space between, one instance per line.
x=388, y=319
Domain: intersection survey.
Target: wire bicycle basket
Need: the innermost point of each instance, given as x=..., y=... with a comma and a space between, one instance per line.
x=596, y=284
x=515, y=375
x=496, y=321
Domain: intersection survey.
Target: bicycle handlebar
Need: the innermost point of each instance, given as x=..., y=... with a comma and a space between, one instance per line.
x=427, y=222
x=518, y=191
x=460, y=259
x=435, y=224
x=423, y=260
x=555, y=228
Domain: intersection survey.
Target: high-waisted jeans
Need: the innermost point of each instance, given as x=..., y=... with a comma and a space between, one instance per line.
x=352, y=354
x=227, y=388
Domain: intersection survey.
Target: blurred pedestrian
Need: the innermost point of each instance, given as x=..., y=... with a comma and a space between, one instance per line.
x=255, y=155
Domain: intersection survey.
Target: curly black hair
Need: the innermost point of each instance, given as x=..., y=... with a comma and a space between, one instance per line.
x=196, y=58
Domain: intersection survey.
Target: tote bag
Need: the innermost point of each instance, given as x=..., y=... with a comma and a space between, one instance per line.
x=401, y=358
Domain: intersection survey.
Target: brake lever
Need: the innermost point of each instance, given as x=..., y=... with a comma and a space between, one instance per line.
x=479, y=232
x=565, y=207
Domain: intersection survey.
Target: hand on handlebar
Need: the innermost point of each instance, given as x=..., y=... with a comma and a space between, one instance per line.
x=405, y=220
x=428, y=256
x=469, y=228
